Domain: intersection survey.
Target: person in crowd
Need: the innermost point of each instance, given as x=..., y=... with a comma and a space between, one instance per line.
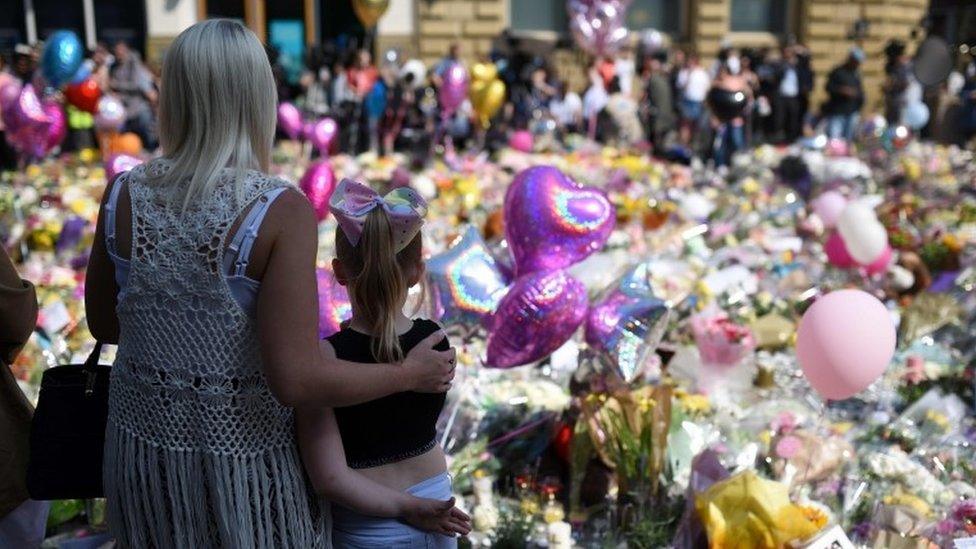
x=967, y=96
x=625, y=68
x=787, y=108
x=806, y=76
x=693, y=83
x=658, y=101
x=453, y=56
x=622, y=110
x=133, y=83
x=25, y=63
x=897, y=80
x=845, y=96
x=391, y=440
x=731, y=136
x=566, y=108
x=402, y=100
x=316, y=82
x=203, y=272
x=594, y=100
x=22, y=520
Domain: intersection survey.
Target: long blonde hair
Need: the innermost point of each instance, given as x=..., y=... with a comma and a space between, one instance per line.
x=216, y=107
x=378, y=280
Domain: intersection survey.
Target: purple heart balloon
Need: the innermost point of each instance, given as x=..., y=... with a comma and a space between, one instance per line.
x=598, y=26
x=59, y=125
x=552, y=222
x=454, y=88
x=318, y=183
x=322, y=135
x=538, y=314
x=334, y=307
x=119, y=163
x=27, y=124
x=290, y=120
x=9, y=92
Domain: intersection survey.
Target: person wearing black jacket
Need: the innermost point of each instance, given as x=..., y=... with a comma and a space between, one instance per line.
x=846, y=97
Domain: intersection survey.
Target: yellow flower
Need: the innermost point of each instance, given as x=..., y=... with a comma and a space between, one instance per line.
x=815, y=515
x=908, y=500
x=695, y=403
x=938, y=418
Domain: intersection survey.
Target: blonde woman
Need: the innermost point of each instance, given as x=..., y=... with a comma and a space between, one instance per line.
x=203, y=272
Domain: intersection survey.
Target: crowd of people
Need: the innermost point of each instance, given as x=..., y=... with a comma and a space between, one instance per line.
x=644, y=94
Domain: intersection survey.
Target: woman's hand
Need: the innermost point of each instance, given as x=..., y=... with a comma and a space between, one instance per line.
x=430, y=370
x=439, y=517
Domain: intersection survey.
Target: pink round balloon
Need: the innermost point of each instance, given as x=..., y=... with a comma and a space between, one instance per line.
x=110, y=115
x=59, y=125
x=318, y=183
x=539, y=313
x=552, y=222
x=844, y=343
x=334, y=307
x=837, y=253
x=828, y=207
x=120, y=163
x=521, y=141
x=323, y=134
x=598, y=26
x=454, y=88
x=879, y=265
x=838, y=147
x=290, y=120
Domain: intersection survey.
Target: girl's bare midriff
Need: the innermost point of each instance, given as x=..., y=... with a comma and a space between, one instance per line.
x=404, y=474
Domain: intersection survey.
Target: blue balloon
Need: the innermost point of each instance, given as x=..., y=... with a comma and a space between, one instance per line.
x=83, y=72
x=62, y=56
x=916, y=115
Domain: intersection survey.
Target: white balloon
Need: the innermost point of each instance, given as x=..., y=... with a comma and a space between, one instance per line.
x=417, y=68
x=864, y=236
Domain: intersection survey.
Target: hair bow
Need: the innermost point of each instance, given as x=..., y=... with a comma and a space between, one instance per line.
x=351, y=203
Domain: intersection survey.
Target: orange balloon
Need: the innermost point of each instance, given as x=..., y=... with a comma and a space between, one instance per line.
x=125, y=143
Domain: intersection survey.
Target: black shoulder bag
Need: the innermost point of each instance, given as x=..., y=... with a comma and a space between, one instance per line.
x=67, y=436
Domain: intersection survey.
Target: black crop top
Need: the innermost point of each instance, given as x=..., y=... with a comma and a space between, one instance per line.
x=395, y=427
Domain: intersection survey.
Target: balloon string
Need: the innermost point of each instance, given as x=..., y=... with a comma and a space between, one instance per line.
x=518, y=432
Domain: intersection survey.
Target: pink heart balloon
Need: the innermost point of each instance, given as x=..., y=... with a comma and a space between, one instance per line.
x=552, y=222
x=59, y=125
x=318, y=183
x=334, y=307
x=120, y=163
x=454, y=88
x=538, y=314
x=290, y=120
x=27, y=123
x=322, y=135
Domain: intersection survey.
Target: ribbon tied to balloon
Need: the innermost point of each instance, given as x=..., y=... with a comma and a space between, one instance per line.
x=598, y=26
x=487, y=92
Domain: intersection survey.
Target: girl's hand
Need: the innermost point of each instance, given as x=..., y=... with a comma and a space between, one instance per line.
x=439, y=517
x=429, y=370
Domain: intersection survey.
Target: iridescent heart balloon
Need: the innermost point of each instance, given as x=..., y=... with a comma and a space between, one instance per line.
x=552, y=222
x=538, y=315
x=598, y=26
x=120, y=163
x=466, y=283
x=318, y=183
x=290, y=120
x=334, y=307
x=626, y=324
x=27, y=124
x=322, y=135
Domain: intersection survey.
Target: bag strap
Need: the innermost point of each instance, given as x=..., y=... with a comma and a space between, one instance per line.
x=92, y=359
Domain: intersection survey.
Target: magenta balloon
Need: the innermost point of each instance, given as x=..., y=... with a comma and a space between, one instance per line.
x=552, y=222
x=844, y=343
x=27, y=124
x=837, y=253
x=521, y=140
x=9, y=93
x=59, y=125
x=598, y=26
x=454, y=88
x=334, y=307
x=880, y=265
x=120, y=163
x=538, y=314
x=290, y=120
x=110, y=114
x=322, y=135
x=318, y=183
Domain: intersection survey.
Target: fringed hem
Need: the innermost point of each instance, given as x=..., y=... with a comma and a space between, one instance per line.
x=162, y=498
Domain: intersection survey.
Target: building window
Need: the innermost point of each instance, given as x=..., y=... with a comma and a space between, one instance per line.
x=759, y=16
x=539, y=15
x=663, y=15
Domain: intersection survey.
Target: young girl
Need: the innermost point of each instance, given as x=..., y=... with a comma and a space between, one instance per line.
x=390, y=440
